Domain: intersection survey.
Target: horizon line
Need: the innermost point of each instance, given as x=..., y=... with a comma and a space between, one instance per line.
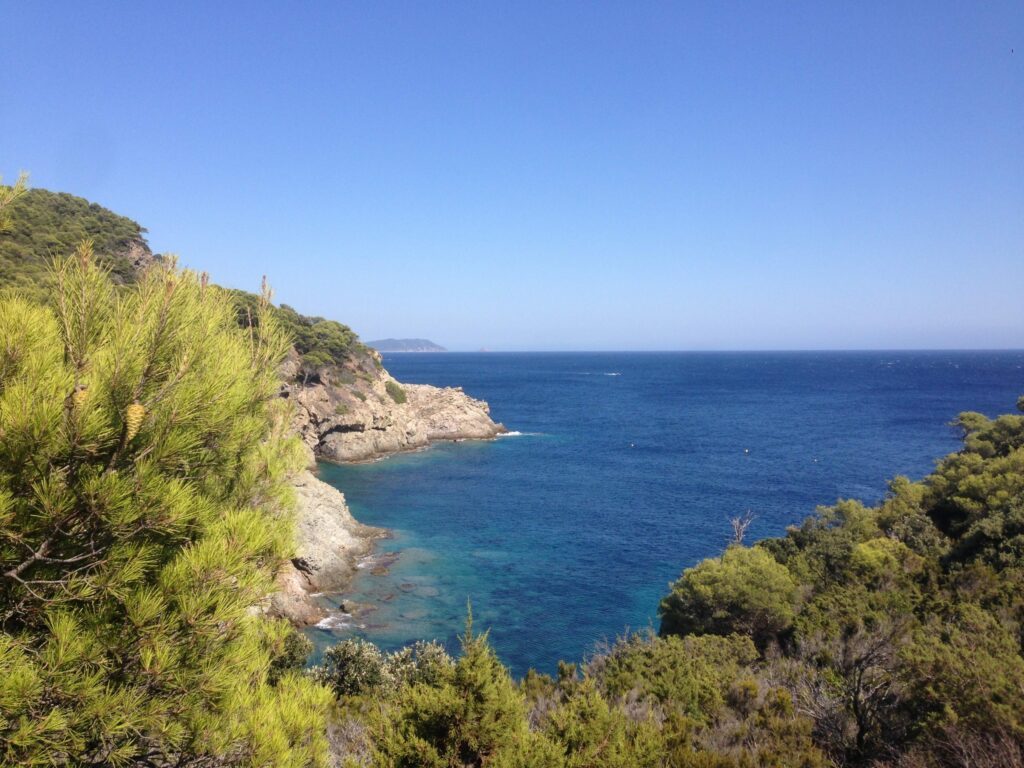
x=809, y=350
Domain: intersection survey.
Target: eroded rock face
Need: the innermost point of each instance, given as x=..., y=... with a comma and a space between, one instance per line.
x=352, y=413
x=328, y=543
x=348, y=413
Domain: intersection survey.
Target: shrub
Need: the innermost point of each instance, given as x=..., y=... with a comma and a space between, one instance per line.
x=356, y=667
x=693, y=673
x=472, y=714
x=395, y=390
x=289, y=654
x=745, y=591
x=351, y=667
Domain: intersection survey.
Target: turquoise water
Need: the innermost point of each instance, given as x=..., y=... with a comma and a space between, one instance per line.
x=627, y=470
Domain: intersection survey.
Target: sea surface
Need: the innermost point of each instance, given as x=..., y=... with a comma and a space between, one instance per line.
x=621, y=470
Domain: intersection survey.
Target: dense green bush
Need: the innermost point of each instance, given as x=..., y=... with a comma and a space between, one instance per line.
x=745, y=590
x=356, y=667
x=693, y=673
x=468, y=713
x=143, y=513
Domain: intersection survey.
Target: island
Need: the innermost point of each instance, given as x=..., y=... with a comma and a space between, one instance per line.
x=405, y=345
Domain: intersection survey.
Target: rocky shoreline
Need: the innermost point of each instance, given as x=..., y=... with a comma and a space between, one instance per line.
x=360, y=412
x=328, y=543
x=352, y=414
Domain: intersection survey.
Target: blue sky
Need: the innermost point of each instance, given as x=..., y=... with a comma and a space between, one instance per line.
x=555, y=175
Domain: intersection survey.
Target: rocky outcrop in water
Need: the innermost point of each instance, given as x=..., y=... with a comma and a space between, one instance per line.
x=357, y=411
x=328, y=544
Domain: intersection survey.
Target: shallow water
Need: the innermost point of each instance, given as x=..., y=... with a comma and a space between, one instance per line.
x=627, y=470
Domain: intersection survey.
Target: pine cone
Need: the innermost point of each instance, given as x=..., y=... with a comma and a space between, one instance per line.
x=79, y=396
x=133, y=416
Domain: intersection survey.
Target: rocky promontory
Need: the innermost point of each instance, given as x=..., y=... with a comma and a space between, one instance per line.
x=357, y=411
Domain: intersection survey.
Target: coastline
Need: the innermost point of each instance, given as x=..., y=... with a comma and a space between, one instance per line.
x=342, y=424
x=330, y=542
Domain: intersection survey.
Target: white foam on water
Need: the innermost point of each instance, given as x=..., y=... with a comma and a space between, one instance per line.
x=335, y=621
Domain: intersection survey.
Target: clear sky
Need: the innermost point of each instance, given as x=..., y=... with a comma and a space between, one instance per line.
x=555, y=175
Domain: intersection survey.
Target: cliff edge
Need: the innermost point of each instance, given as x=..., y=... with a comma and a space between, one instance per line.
x=328, y=544
x=356, y=411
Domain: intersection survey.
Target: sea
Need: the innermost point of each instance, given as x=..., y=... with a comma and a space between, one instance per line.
x=619, y=471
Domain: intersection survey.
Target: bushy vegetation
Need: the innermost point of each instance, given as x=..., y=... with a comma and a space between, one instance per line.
x=319, y=343
x=395, y=391
x=143, y=513
x=867, y=636
x=647, y=701
x=744, y=591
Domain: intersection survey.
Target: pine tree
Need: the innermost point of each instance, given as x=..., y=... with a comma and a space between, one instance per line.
x=143, y=513
x=473, y=715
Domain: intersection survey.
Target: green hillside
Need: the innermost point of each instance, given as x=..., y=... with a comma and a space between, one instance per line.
x=44, y=224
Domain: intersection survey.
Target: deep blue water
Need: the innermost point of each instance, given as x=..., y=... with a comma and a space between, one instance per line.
x=627, y=470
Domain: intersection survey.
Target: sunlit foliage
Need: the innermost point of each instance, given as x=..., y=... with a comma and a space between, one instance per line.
x=143, y=513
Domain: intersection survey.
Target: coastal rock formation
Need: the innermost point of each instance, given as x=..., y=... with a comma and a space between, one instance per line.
x=357, y=411
x=329, y=542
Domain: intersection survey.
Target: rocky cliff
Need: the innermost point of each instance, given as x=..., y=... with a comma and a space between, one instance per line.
x=328, y=544
x=356, y=411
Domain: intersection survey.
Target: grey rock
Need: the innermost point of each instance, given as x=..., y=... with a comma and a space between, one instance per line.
x=328, y=543
x=346, y=414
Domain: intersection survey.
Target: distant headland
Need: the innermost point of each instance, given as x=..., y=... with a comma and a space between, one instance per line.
x=406, y=345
